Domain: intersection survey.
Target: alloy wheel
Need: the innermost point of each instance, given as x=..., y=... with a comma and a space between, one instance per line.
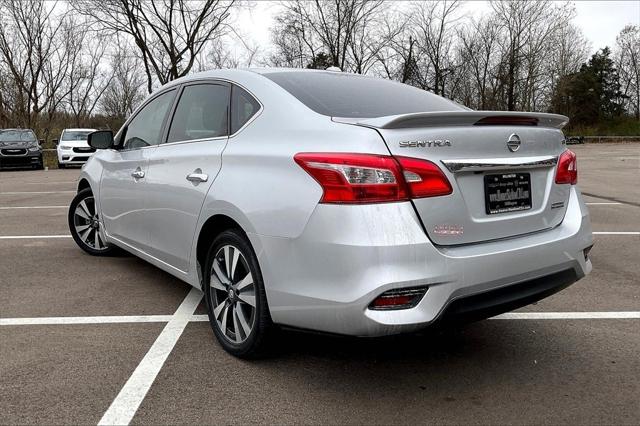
x=233, y=294
x=87, y=224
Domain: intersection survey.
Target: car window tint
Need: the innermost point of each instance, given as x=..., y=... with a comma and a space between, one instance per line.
x=346, y=95
x=243, y=107
x=201, y=113
x=146, y=127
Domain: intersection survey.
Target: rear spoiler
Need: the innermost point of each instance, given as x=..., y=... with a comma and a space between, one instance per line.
x=460, y=118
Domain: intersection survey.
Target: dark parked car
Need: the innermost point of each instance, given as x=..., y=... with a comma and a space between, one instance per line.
x=19, y=148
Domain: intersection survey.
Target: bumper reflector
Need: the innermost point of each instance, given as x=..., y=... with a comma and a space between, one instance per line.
x=403, y=298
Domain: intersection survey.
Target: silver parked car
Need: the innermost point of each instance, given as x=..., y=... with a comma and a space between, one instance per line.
x=335, y=202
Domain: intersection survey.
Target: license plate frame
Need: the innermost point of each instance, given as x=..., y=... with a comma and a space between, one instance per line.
x=507, y=192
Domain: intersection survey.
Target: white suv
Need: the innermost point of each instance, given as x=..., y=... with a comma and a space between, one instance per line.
x=73, y=148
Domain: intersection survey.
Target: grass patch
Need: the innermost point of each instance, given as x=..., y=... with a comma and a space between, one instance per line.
x=619, y=127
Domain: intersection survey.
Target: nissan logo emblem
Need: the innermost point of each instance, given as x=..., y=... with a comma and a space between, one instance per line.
x=513, y=143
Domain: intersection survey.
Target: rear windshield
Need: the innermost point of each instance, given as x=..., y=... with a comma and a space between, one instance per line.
x=346, y=95
x=75, y=135
x=17, y=135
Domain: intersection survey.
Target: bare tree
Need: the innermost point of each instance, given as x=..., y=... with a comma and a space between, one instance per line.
x=434, y=24
x=34, y=53
x=87, y=77
x=628, y=64
x=169, y=34
x=341, y=29
x=126, y=89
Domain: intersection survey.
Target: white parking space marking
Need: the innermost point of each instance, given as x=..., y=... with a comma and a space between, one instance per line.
x=108, y=319
x=568, y=315
x=124, y=407
x=37, y=192
x=85, y=320
x=31, y=237
x=616, y=233
x=33, y=207
x=604, y=204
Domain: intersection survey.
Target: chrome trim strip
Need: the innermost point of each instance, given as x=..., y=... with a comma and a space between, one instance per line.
x=478, y=165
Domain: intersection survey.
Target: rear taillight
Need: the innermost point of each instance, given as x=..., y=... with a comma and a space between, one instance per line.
x=355, y=178
x=424, y=178
x=567, y=171
x=367, y=178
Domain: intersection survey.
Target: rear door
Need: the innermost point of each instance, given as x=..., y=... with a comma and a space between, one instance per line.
x=182, y=169
x=501, y=169
x=123, y=183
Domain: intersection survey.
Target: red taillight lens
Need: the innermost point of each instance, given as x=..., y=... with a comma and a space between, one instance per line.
x=424, y=178
x=567, y=171
x=355, y=178
x=367, y=178
x=398, y=299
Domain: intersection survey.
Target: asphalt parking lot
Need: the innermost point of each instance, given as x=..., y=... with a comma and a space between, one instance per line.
x=82, y=338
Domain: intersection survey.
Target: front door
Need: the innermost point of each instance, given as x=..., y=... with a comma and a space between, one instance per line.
x=124, y=178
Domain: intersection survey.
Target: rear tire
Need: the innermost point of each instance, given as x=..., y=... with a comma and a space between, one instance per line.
x=85, y=226
x=235, y=296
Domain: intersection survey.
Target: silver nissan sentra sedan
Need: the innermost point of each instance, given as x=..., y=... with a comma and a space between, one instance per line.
x=336, y=202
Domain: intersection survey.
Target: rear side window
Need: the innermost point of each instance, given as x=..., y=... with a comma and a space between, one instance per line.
x=146, y=127
x=201, y=113
x=243, y=107
x=346, y=95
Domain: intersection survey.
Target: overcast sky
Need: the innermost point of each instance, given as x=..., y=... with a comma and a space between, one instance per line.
x=601, y=21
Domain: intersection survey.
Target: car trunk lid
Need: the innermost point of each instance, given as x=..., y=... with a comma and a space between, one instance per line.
x=501, y=167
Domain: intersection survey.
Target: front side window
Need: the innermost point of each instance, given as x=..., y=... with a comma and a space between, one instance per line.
x=202, y=113
x=243, y=107
x=146, y=127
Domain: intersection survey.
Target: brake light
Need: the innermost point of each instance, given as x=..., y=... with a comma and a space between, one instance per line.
x=368, y=178
x=507, y=120
x=424, y=178
x=567, y=171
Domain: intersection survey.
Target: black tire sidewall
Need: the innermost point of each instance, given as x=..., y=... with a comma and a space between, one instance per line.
x=85, y=193
x=254, y=345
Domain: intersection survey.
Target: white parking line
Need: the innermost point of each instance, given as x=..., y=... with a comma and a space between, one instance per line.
x=37, y=192
x=31, y=237
x=616, y=233
x=124, y=407
x=108, y=319
x=112, y=319
x=33, y=207
x=568, y=315
x=604, y=204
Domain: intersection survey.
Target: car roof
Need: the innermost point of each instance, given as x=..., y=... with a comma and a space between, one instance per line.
x=243, y=75
x=79, y=130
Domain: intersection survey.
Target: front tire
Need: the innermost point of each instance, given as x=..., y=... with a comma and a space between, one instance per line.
x=85, y=226
x=235, y=296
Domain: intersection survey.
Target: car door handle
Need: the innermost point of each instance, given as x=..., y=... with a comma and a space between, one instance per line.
x=197, y=176
x=138, y=174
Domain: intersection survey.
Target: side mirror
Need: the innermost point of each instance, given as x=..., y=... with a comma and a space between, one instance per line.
x=55, y=141
x=101, y=139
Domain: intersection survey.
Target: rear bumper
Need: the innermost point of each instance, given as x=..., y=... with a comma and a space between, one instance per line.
x=29, y=159
x=348, y=255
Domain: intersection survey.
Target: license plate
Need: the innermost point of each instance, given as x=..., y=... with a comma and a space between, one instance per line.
x=508, y=192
